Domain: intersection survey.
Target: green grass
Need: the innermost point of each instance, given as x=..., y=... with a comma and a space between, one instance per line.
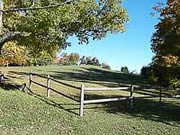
x=32, y=113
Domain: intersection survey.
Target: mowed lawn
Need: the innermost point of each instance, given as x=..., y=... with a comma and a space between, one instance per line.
x=31, y=112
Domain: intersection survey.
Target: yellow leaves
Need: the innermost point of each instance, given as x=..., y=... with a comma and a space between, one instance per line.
x=13, y=54
x=169, y=60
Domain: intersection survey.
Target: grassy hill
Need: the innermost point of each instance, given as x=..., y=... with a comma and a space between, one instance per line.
x=31, y=112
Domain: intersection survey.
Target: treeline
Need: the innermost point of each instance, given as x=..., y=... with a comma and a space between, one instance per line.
x=75, y=59
x=14, y=55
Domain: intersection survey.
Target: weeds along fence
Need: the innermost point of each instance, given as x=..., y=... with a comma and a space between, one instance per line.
x=82, y=91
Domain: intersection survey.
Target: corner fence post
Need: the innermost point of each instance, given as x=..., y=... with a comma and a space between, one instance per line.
x=48, y=85
x=81, y=101
x=131, y=97
x=30, y=80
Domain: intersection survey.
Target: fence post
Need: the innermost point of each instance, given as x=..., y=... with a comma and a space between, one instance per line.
x=30, y=80
x=48, y=86
x=131, y=96
x=1, y=78
x=81, y=100
x=160, y=94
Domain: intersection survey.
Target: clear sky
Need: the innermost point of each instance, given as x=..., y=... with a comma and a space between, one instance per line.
x=132, y=48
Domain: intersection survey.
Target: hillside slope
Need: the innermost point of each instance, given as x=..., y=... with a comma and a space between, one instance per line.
x=30, y=112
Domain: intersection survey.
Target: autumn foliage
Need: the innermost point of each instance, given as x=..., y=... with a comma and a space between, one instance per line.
x=166, y=45
x=13, y=55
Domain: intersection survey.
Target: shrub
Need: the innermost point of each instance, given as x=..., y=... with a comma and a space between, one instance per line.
x=105, y=66
x=125, y=70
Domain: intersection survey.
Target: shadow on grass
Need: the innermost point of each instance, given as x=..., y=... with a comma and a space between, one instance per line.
x=147, y=109
x=8, y=86
x=100, y=76
x=166, y=112
x=51, y=102
x=95, y=76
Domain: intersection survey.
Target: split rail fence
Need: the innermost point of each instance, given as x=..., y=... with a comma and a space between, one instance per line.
x=82, y=90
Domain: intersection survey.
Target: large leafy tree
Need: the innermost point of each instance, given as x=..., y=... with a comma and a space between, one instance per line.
x=166, y=45
x=47, y=24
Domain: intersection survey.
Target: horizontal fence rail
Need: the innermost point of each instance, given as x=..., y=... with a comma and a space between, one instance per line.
x=105, y=100
x=56, y=91
x=69, y=85
x=101, y=89
x=39, y=84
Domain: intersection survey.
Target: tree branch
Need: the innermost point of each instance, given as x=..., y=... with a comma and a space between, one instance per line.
x=39, y=8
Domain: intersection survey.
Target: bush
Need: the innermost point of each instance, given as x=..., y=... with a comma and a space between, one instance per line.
x=147, y=73
x=105, y=66
x=71, y=59
x=125, y=70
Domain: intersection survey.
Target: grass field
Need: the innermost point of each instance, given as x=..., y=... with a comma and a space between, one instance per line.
x=31, y=112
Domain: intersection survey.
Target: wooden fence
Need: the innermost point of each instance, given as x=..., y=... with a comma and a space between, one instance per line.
x=48, y=85
x=83, y=101
x=83, y=89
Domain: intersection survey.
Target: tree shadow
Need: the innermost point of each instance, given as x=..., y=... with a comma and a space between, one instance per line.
x=8, y=86
x=95, y=76
x=101, y=77
x=148, y=109
x=51, y=102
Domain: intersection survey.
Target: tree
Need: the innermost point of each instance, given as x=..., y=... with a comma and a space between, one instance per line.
x=147, y=73
x=89, y=61
x=105, y=66
x=166, y=45
x=47, y=24
x=64, y=58
x=42, y=59
x=95, y=61
x=125, y=70
x=13, y=55
x=71, y=59
x=74, y=58
x=16, y=55
x=83, y=60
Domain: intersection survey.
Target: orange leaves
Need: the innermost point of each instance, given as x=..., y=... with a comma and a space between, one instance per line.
x=13, y=54
x=169, y=60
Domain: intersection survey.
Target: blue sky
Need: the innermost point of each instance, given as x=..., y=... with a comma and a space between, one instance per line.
x=132, y=48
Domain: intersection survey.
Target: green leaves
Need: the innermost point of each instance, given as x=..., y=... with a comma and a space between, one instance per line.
x=50, y=28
